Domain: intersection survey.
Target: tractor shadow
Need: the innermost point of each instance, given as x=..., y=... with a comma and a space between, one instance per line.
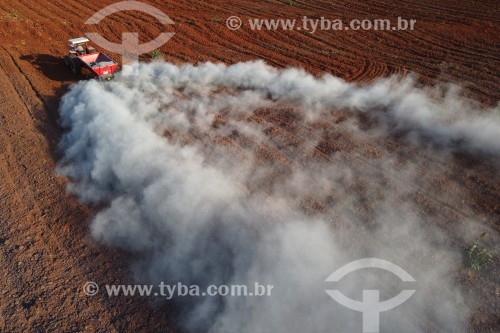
x=52, y=67
x=50, y=124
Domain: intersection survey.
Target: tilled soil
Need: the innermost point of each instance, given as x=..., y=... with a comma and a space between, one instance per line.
x=45, y=248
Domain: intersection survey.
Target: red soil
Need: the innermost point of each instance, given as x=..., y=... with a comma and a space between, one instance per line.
x=45, y=249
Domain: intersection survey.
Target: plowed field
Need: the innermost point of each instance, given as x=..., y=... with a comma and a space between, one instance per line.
x=46, y=252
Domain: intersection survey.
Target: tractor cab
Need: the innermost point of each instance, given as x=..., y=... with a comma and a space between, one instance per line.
x=84, y=59
x=79, y=46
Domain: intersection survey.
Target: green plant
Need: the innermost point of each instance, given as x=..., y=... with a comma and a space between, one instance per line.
x=14, y=14
x=217, y=19
x=478, y=257
x=156, y=54
x=290, y=2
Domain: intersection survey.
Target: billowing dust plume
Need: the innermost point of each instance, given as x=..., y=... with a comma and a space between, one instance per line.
x=217, y=174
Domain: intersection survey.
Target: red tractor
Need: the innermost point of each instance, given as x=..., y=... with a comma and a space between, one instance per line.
x=84, y=59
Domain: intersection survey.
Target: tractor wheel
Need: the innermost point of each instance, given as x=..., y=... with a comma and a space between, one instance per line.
x=75, y=65
x=66, y=60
